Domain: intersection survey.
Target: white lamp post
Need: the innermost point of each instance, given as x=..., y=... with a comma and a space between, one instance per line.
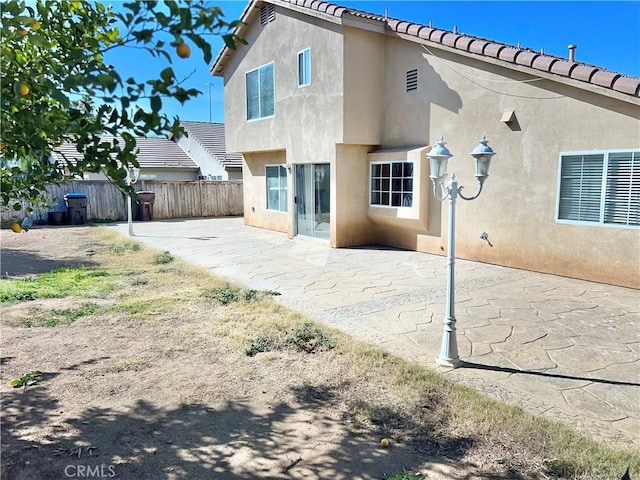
x=439, y=157
x=132, y=177
x=209, y=84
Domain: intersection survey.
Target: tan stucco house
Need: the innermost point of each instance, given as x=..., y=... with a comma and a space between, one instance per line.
x=335, y=110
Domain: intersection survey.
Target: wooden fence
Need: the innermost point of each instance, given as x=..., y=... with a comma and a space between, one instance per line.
x=173, y=199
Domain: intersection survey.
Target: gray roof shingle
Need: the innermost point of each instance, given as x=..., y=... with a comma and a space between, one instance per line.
x=212, y=138
x=154, y=152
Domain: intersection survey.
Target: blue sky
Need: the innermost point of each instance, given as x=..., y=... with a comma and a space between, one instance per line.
x=607, y=34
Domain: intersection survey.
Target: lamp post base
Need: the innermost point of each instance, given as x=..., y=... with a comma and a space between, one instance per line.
x=449, y=362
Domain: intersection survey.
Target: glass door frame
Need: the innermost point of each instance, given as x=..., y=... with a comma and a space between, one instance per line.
x=316, y=193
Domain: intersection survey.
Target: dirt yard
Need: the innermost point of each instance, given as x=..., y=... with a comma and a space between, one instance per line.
x=166, y=399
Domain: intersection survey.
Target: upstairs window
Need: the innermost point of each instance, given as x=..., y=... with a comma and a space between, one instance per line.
x=304, y=68
x=260, y=90
x=392, y=184
x=412, y=80
x=267, y=13
x=600, y=188
x=276, y=188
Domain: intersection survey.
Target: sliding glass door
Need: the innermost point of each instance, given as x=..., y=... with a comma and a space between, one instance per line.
x=313, y=200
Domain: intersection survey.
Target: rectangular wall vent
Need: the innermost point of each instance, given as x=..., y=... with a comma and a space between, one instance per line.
x=412, y=80
x=267, y=13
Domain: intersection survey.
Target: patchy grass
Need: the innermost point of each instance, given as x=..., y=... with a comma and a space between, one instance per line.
x=376, y=393
x=120, y=248
x=57, y=317
x=308, y=338
x=405, y=476
x=230, y=293
x=59, y=283
x=164, y=258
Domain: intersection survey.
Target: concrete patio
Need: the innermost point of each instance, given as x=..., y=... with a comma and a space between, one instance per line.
x=563, y=348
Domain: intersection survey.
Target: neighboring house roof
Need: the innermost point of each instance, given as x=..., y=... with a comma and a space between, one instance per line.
x=469, y=45
x=154, y=152
x=212, y=138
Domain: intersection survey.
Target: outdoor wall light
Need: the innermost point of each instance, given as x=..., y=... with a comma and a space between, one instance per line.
x=439, y=157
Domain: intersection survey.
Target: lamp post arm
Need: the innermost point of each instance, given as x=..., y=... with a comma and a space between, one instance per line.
x=480, y=184
x=441, y=193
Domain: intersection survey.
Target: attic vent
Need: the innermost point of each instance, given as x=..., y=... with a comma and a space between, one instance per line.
x=267, y=13
x=412, y=80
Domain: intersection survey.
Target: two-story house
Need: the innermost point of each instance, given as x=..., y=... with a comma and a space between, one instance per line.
x=335, y=110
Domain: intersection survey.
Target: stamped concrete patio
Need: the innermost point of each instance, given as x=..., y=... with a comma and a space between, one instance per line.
x=562, y=348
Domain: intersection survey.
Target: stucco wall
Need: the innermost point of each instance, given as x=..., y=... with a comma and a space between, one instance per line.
x=235, y=173
x=308, y=121
x=461, y=101
x=350, y=189
x=166, y=174
x=255, y=193
x=363, y=86
x=407, y=115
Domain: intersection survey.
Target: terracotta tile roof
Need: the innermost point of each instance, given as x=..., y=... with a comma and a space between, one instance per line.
x=155, y=152
x=561, y=67
x=212, y=138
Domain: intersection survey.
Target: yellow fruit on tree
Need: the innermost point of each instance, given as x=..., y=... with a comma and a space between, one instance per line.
x=22, y=32
x=183, y=50
x=24, y=89
x=35, y=25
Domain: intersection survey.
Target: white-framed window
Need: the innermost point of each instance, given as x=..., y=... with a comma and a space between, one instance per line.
x=392, y=184
x=304, y=67
x=276, y=188
x=599, y=187
x=260, y=89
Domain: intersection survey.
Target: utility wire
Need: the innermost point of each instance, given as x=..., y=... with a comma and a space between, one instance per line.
x=471, y=79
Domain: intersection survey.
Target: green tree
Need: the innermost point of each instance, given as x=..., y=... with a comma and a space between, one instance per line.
x=57, y=87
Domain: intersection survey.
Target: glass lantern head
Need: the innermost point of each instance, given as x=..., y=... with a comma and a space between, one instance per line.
x=482, y=155
x=439, y=158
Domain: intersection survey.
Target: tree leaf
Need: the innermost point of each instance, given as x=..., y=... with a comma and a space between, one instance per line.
x=73, y=88
x=167, y=75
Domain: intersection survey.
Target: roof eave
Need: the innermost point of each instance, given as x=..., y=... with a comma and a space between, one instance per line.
x=217, y=69
x=525, y=69
x=336, y=15
x=576, y=74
